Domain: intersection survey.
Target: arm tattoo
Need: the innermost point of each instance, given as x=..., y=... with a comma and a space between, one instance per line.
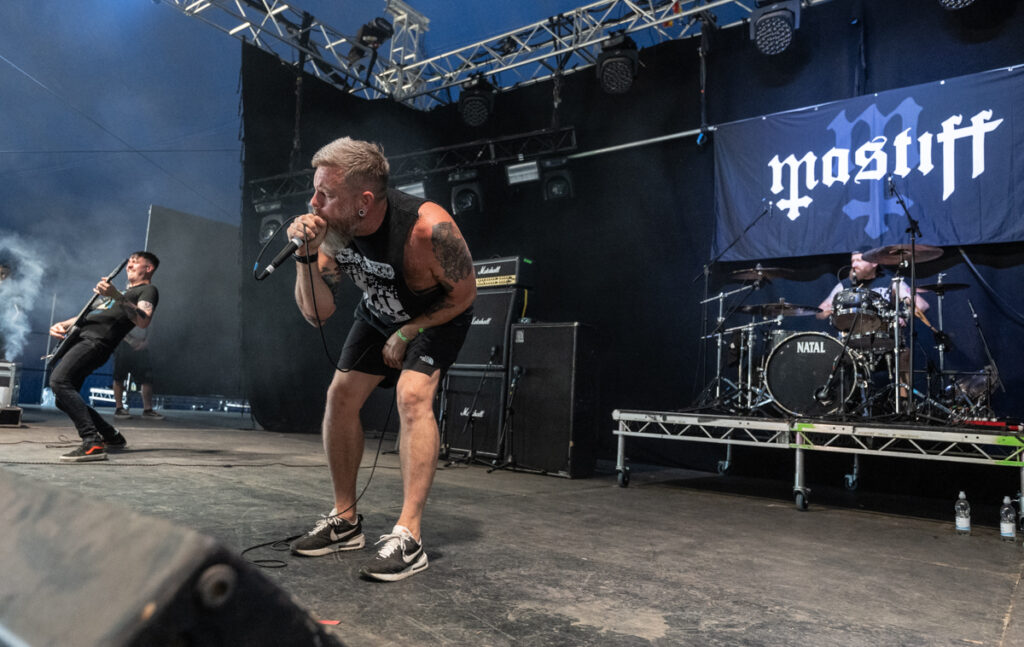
x=332, y=277
x=451, y=252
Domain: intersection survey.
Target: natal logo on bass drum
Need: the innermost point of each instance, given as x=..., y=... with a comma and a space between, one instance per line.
x=804, y=347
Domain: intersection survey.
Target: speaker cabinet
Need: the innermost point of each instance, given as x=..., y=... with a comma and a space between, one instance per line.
x=78, y=572
x=554, y=405
x=487, y=339
x=473, y=405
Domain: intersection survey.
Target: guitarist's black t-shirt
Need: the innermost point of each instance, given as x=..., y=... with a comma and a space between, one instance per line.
x=108, y=322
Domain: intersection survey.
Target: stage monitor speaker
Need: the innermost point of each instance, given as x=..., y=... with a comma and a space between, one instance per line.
x=78, y=572
x=554, y=421
x=487, y=340
x=474, y=411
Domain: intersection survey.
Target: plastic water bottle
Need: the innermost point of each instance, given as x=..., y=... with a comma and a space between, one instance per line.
x=1007, y=521
x=963, y=515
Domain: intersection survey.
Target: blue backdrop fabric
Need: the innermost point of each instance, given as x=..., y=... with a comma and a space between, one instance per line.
x=953, y=149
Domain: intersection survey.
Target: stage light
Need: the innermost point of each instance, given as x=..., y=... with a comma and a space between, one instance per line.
x=617, y=64
x=370, y=36
x=524, y=172
x=269, y=226
x=772, y=25
x=557, y=181
x=476, y=101
x=467, y=197
x=417, y=189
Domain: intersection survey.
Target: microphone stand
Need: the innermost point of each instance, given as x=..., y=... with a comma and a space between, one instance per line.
x=821, y=395
x=505, y=438
x=915, y=231
x=988, y=354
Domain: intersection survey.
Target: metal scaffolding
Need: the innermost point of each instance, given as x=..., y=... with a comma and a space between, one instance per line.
x=562, y=44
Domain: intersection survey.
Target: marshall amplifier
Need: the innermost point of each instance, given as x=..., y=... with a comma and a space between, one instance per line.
x=504, y=272
x=473, y=411
x=486, y=345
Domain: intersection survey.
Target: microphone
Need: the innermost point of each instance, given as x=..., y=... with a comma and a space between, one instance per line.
x=287, y=251
x=822, y=395
x=890, y=188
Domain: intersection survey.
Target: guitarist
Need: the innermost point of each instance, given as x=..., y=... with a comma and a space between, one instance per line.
x=89, y=347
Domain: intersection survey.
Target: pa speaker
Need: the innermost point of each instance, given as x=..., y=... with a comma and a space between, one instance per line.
x=474, y=411
x=486, y=344
x=77, y=572
x=554, y=391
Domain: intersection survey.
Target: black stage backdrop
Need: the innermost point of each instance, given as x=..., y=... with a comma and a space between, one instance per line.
x=626, y=253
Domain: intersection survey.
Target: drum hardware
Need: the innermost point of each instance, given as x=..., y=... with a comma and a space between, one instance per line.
x=780, y=308
x=902, y=254
x=717, y=334
x=745, y=378
x=800, y=364
x=758, y=273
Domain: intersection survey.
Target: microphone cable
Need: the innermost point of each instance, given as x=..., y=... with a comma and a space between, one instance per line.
x=283, y=544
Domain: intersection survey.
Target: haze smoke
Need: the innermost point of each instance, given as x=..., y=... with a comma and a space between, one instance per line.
x=19, y=292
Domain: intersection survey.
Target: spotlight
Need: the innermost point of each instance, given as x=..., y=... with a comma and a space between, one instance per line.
x=772, y=25
x=466, y=194
x=370, y=36
x=476, y=101
x=269, y=226
x=617, y=64
x=953, y=5
x=523, y=172
x=557, y=181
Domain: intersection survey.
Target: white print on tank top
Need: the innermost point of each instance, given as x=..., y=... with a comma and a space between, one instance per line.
x=377, y=281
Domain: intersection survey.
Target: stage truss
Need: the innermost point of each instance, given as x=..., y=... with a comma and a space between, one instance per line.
x=1000, y=445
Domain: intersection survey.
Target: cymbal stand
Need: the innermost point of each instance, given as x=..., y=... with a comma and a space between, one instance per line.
x=914, y=231
x=718, y=333
x=745, y=376
x=940, y=293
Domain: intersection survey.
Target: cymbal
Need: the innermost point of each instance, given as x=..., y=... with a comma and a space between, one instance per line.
x=895, y=254
x=941, y=288
x=754, y=273
x=780, y=308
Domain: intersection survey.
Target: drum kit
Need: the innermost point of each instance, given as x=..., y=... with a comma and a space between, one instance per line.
x=858, y=372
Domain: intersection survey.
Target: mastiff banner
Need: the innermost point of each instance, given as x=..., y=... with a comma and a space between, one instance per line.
x=828, y=179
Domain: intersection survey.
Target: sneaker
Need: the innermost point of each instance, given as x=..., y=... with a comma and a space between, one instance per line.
x=122, y=413
x=115, y=444
x=88, y=451
x=330, y=535
x=152, y=415
x=399, y=557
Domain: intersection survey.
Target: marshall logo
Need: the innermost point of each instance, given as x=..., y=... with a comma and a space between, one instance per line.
x=477, y=413
x=481, y=321
x=810, y=347
x=488, y=269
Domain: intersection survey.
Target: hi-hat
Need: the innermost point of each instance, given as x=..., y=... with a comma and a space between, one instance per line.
x=896, y=254
x=755, y=273
x=942, y=288
x=780, y=308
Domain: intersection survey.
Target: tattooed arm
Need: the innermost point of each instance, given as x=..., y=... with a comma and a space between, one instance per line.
x=436, y=254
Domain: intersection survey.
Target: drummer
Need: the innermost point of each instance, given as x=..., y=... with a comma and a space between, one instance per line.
x=865, y=274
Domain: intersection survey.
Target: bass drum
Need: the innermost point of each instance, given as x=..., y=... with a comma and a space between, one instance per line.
x=798, y=367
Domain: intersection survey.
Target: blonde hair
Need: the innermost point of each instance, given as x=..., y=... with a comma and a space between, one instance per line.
x=363, y=163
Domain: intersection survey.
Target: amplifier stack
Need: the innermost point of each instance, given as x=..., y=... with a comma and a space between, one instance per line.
x=474, y=390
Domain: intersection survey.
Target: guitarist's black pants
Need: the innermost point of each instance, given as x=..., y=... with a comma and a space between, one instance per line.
x=66, y=381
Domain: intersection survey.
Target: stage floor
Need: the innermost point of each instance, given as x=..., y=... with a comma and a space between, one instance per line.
x=677, y=558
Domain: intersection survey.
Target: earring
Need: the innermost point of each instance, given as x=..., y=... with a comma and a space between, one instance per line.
x=362, y=213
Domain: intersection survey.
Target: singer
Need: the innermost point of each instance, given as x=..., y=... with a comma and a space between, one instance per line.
x=94, y=342
x=416, y=273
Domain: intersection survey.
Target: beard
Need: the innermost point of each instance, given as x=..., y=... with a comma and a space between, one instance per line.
x=335, y=240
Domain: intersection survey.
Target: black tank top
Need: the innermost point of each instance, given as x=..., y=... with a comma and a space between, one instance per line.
x=375, y=263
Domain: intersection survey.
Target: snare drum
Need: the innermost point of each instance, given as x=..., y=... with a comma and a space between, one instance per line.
x=868, y=304
x=800, y=365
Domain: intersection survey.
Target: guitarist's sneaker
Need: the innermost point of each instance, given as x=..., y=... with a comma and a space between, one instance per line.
x=87, y=451
x=122, y=413
x=399, y=557
x=116, y=443
x=330, y=535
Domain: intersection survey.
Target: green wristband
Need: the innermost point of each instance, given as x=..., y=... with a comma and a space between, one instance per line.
x=401, y=336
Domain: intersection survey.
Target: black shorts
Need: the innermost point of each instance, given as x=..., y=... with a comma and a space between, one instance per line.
x=431, y=350
x=135, y=362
